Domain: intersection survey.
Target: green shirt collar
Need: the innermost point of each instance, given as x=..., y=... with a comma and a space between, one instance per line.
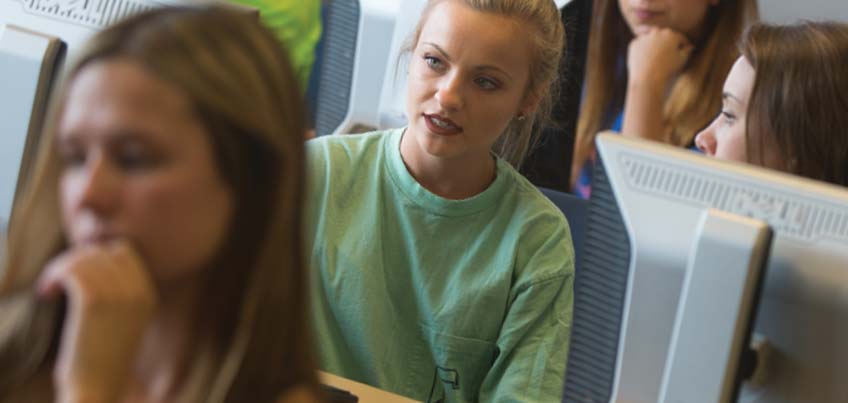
x=422, y=197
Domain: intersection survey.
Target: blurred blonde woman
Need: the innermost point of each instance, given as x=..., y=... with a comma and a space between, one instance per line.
x=156, y=253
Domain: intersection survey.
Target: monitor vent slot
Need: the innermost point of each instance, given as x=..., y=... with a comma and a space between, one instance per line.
x=600, y=284
x=787, y=215
x=91, y=13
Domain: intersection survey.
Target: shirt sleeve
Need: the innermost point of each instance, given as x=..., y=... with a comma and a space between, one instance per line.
x=535, y=336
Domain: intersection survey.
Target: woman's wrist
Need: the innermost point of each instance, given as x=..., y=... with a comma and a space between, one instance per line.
x=649, y=81
x=643, y=111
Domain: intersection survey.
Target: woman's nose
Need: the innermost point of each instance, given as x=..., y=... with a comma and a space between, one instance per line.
x=706, y=141
x=449, y=93
x=96, y=185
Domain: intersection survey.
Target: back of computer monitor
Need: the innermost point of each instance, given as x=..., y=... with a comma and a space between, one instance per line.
x=646, y=202
x=72, y=21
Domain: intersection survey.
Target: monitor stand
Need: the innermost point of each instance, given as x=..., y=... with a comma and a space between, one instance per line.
x=715, y=314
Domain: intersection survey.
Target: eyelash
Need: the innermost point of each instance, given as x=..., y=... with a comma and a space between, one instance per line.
x=487, y=84
x=136, y=160
x=729, y=117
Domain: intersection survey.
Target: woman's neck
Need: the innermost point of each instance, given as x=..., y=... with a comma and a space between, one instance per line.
x=452, y=178
x=158, y=371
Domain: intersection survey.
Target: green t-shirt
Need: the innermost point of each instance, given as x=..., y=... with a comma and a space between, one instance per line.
x=465, y=300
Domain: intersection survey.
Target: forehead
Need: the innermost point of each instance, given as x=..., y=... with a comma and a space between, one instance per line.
x=740, y=80
x=113, y=94
x=485, y=37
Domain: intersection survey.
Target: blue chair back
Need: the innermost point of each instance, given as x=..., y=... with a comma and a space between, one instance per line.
x=574, y=209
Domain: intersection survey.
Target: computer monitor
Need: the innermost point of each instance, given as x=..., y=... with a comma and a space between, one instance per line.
x=647, y=200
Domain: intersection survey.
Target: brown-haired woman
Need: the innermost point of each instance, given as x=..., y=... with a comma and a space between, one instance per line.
x=786, y=102
x=156, y=254
x=654, y=70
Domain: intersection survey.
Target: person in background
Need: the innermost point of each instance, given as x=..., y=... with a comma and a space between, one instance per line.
x=439, y=272
x=156, y=253
x=785, y=103
x=654, y=70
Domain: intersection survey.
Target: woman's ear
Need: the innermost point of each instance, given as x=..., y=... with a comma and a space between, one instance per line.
x=530, y=103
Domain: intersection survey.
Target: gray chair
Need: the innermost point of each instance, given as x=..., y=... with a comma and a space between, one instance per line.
x=335, y=58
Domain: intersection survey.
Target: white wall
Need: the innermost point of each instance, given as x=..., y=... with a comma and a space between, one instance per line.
x=788, y=11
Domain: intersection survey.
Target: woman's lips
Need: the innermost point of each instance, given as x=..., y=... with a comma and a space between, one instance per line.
x=645, y=15
x=441, y=125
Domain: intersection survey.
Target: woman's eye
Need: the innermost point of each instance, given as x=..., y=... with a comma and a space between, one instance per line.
x=136, y=159
x=433, y=62
x=72, y=157
x=728, y=117
x=486, y=83
x=133, y=162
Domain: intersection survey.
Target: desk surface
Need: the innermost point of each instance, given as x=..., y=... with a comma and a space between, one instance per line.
x=365, y=393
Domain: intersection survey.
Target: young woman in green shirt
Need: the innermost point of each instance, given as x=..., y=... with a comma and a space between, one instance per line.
x=439, y=273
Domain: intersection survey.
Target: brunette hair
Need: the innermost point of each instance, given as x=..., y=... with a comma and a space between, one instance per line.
x=799, y=101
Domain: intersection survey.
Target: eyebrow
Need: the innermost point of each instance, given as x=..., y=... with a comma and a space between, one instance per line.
x=726, y=95
x=120, y=137
x=483, y=67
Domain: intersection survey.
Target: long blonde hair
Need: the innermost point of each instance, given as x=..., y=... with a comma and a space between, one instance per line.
x=548, y=34
x=695, y=97
x=251, y=324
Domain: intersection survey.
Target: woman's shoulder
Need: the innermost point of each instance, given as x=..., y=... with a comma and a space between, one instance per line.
x=348, y=144
x=530, y=202
x=543, y=237
x=343, y=159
